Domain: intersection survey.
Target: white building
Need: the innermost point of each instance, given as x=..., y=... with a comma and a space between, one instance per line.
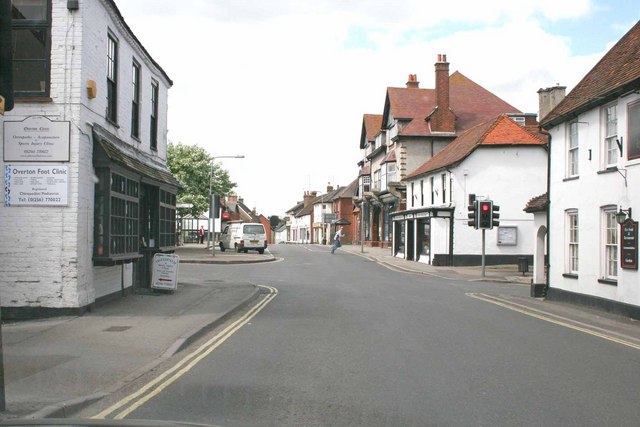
x=89, y=131
x=594, y=173
x=498, y=160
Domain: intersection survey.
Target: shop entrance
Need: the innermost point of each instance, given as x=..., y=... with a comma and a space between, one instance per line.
x=148, y=239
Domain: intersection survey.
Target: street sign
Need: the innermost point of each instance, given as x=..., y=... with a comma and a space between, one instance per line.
x=329, y=217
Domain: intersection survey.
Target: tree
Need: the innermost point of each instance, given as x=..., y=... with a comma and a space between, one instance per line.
x=191, y=165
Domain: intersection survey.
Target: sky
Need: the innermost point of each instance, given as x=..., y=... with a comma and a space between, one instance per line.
x=286, y=83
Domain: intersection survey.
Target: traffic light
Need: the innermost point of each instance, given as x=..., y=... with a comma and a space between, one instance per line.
x=495, y=216
x=484, y=214
x=473, y=214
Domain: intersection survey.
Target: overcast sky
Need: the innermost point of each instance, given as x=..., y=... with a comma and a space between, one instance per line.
x=286, y=82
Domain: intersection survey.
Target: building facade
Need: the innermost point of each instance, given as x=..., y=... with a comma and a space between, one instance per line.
x=89, y=131
x=594, y=170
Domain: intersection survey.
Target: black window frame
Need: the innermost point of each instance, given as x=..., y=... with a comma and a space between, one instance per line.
x=153, y=122
x=167, y=219
x=136, y=70
x=32, y=25
x=116, y=217
x=111, y=113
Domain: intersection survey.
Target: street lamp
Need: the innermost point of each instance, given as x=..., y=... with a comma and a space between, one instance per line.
x=211, y=220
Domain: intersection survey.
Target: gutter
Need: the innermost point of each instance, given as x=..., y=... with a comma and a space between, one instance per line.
x=547, y=281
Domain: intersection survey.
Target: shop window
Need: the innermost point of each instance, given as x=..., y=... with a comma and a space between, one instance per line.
x=167, y=219
x=116, y=217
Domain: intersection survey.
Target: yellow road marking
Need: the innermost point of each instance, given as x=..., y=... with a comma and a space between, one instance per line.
x=185, y=364
x=532, y=312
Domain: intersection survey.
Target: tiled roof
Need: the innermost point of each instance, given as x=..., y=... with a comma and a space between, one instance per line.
x=471, y=103
x=125, y=155
x=537, y=204
x=615, y=74
x=365, y=170
x=371, y=125
x=296, y=208
x=390, y=157
x=499, y=131
x=349, y=191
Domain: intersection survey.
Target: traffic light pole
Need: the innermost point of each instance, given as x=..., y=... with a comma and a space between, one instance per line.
x=483, y=241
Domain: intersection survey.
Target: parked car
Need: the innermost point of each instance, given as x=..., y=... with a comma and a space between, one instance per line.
x=244, y=236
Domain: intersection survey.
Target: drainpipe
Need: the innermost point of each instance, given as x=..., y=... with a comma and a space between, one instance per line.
x=547, y=281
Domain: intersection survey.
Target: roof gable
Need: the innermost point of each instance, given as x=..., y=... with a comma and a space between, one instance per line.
x=371, y=125
x=615, y=74
x=500, y=131
x=471, y=103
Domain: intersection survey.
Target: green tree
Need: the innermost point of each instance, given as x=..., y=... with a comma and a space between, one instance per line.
x=191, y=165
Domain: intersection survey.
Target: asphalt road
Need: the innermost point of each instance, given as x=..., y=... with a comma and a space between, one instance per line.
x=347, y=342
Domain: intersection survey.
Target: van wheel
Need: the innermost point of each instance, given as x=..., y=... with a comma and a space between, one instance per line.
x=246, y=251
x=260, y=251
x=222, y=249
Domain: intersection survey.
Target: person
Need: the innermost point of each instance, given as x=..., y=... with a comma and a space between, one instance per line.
x=201, y=234
x=336, y=240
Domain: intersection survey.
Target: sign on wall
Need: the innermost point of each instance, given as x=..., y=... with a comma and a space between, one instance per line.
x=36, y=139
x=36, y=185
x=165, y=272
x=629, y=245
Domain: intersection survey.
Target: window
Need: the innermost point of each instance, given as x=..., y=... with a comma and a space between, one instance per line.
x=572, y=241
x=633, y=145
x=413, y=194
x=443, y=177
x=376, y=180
x=154, y=116
x=112, y=79
x=116, y=216
x=422, y=192
x=432, y=191
x=167, y=219
x=610, y=243
x=572, y=150
x=391, y=172
x=610, y=153
x=135, y=100
x=366, y=184
x=31, y=27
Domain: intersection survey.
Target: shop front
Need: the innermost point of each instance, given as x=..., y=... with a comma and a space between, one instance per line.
x=414, y=239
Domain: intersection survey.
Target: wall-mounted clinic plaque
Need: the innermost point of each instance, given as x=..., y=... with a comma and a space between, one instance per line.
x=36, y=139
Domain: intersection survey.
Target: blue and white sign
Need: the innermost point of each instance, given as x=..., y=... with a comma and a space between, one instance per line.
x=36, y=185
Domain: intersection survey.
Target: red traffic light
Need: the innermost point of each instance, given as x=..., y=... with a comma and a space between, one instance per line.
x=484, y=207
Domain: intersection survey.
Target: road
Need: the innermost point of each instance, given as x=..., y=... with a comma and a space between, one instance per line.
x=349, y=342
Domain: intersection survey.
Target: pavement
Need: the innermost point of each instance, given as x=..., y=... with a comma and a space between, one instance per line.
x=55, y=367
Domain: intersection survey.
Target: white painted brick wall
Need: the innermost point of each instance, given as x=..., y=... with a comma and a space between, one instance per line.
x=46, y=251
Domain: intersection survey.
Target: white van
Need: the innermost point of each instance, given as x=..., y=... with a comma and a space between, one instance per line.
x=243, y=236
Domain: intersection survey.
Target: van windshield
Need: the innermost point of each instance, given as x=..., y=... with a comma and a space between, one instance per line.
x=253, y=229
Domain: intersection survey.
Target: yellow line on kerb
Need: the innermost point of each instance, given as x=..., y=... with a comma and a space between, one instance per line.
x=550, y=319
x=157, y=385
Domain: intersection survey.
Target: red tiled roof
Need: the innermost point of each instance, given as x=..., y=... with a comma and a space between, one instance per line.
x=390, y=157
x=371, y=125
x=471, y=103
x=615, y=74
x=537, y=204
x=499, y=131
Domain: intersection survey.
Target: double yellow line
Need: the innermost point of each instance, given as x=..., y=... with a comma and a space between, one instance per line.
x=556, y=320
x=156, y=386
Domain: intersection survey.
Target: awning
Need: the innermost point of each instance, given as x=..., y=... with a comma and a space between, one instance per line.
x=109, y=147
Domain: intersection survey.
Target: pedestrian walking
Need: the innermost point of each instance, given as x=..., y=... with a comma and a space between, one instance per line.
x=336, y=240
x=201, y=234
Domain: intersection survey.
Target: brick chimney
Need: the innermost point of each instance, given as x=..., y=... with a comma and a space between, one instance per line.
x=329, y=188
x=548, y=99
x=412, y=81
x=308, y=197
x=442, y=119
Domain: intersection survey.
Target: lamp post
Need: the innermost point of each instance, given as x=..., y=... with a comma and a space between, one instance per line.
x=211, y=214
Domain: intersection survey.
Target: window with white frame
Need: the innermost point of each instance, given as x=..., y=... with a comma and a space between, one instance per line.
x=572, y=239
x=443, y=178
x=433, y=190
x=422, y=192
x=383, y=177
x=609, y=243
x=610, y=148
x=376, y=179
x=391, y=172
x=413, y=194
x=572, y=149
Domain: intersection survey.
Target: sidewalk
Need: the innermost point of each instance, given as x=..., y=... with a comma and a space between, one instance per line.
x=496, y=273
x=201, y=254
x=55, y=366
